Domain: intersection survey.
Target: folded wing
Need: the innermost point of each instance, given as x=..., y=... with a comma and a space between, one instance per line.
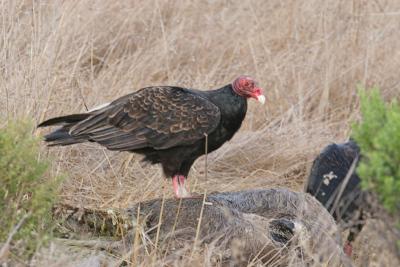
x=157, y=117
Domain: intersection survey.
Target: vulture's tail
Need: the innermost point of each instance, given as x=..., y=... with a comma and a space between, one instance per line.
x=61, y=136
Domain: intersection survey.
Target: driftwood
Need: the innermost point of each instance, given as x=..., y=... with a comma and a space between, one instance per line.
x=272, y=227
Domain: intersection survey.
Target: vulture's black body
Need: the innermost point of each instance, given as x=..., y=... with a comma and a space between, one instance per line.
x=168, y=125
x=328, y=176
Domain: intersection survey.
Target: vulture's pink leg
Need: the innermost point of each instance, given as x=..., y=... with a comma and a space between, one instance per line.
x=348, y=249
x=178, y=182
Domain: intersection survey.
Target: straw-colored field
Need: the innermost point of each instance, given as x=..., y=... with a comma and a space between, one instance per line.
x=59, y=57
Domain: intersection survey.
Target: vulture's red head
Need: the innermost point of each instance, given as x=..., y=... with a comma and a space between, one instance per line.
x=247, y=87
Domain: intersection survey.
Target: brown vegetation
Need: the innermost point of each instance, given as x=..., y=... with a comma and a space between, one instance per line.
x=60, y=57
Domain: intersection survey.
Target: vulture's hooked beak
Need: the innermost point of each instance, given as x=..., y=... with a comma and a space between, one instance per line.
x=258, y=94
x=261, y=99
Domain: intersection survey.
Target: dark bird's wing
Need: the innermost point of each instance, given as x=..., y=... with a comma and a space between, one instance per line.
x=157, y=117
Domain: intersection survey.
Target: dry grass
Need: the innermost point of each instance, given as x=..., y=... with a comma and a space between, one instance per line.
x=57, y=57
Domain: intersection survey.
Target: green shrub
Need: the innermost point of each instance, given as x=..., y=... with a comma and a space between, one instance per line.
x=26, y=194
x=378, y=135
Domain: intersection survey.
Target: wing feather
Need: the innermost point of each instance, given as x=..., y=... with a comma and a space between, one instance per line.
x=157, y=117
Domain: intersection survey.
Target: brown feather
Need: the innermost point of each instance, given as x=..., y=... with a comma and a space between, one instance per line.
x=159, y=117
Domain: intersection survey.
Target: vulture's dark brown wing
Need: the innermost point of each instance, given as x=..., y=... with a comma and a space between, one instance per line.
x=157, y=117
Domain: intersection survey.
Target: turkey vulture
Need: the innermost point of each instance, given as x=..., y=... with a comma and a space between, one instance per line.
x=328, y=175
x=168, y=125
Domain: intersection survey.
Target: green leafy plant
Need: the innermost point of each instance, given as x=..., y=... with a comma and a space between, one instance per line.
x=26, y=193
x=378, y=135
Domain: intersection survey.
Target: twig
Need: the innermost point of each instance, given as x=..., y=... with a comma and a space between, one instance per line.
x=107, y=245
x=160, y=220
x=165, y=41
x=42, y=116
x=344, y=184
x=81, y=94
x=206, y=161
x=158, y=228
x=136, y=239
x=198, y=225
x=5, y=248
x=126, y=164
x=173, y=227
x=118, y=178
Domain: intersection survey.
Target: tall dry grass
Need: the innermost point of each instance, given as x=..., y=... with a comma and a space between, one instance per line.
x=59, y=57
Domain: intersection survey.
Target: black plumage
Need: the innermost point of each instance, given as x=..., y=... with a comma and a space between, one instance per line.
x=327, y=176
x=343, y=198
x=168, y=125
